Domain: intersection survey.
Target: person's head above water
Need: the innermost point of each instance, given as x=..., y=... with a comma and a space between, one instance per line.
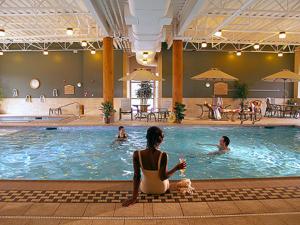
x=121, y=128
x=154, y=137
x=224, y=141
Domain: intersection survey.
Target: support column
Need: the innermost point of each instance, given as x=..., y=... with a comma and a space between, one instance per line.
x=108, y=70
x=177, y=64
x=297, y=70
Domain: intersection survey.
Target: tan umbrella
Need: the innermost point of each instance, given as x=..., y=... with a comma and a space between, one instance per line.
x=141, y=75
x=283, y=76
x=215, y=75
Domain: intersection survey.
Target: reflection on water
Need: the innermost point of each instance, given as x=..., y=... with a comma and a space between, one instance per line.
x=92, y=153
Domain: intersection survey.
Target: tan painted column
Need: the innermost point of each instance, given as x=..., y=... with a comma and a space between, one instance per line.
x=108, y=70
x=177, y=65
x=125, y=72
x=297, y=70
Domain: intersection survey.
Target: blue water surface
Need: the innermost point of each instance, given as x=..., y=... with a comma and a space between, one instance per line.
x=88, y=153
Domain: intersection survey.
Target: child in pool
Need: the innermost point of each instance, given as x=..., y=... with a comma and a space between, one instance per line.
x=122, y=136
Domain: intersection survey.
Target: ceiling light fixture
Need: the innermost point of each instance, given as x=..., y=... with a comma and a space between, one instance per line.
x=83, y=43
x=70, y=31
x=238, y=53
x=93, y=52
x=218, y=33
x=2, y=32
x=280, y=54
x=1, y=53
x=145, y=54
x=45, y=52
x=203, y=44
x=145, y=61
x=256, y=46
x=282, y=35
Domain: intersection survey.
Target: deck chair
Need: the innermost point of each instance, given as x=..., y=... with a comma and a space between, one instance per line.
x=219, y=109
x=125, y=108
x=163, y=112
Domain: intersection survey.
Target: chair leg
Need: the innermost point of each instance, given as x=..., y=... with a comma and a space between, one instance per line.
x=120, y=114
x=131, y=114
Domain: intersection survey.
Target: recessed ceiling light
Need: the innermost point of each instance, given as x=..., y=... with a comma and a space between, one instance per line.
x=93, y=52
x=282, y=35
x=145, y=61
x=256, y=46
x=2, y=32
x=1, y=53
x=145, y=54
x=280, y=54
x=69, y=31
x=75, y=51
x=203, y=44
x=218, y=33
x=83, y=43
x=238, y=53
x=45, y=52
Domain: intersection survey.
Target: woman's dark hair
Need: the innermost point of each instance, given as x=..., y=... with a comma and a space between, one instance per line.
x=226, y=140
x=120, y=128
x=154, y=137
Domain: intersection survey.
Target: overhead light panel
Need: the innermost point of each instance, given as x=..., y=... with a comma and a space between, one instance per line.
x=69, y=31
x=203, y=44
x=1, y=53
x=2, y=32
x=282, y=35
x=84, y=43
x=238, y=53
x=45, y=52
x=256, y=46
x=218, y=33
x=280, y=54
x=145, y=54
x=93, y=52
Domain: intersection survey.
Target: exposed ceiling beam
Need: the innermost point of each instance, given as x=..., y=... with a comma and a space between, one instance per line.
x=232, y=17
x=190, y=13
x=100, y=20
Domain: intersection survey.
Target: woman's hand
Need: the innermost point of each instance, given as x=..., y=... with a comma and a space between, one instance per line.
x=181, y=166
x=129, y=202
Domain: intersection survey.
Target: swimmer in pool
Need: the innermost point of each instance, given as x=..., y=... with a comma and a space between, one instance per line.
x=122, y=136
x=222, y=146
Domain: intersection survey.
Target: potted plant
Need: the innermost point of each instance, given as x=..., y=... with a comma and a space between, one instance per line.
x=179, y=110
x=241, y=92
x=144, y=93
x=108, y=111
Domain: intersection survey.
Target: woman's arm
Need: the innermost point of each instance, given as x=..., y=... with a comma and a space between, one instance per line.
x=164, y=173
x=136, y=180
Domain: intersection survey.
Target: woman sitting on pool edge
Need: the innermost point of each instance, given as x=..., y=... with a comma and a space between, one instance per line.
x=154, y=164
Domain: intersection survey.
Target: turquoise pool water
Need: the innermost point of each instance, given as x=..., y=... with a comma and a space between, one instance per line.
x=87, y=153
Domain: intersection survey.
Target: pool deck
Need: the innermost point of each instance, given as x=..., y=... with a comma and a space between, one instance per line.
x=97, y=121
x=277, y=203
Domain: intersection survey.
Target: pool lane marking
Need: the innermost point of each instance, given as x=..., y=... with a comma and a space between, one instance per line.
x=147, y=217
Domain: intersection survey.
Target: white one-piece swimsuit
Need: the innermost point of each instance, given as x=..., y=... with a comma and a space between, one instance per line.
x=151, y=183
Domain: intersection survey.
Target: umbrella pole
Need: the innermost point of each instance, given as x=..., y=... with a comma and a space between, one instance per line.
x=284, y=91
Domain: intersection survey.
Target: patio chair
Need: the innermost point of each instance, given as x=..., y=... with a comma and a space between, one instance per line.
x=272, y=109
x=252, y=111
x=125, y=108
x=163, y=112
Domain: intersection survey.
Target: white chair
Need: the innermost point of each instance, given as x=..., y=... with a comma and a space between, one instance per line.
x=125, y=108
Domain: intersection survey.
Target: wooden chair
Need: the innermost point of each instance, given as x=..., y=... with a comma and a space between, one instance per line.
x=125, y=108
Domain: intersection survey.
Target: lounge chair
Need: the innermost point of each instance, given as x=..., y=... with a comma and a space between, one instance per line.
x=125, y=108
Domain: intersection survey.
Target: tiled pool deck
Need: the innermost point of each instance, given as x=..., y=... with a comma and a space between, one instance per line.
x=236, y=201
x=222, y=202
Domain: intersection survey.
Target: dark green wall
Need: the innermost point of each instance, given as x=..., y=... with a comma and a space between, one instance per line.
x=250, y=68
x=56, y=70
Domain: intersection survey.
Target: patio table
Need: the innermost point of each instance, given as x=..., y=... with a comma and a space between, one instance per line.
x=293, y=109
x=140, y=112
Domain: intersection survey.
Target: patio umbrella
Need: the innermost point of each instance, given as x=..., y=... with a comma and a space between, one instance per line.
x=283, y=76
x=215, y=75
x=141, y=75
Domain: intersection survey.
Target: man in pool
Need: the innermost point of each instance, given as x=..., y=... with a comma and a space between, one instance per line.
x=222, y=146
x=122, y=136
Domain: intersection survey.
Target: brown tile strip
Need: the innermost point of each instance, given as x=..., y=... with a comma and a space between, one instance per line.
x=203, y=195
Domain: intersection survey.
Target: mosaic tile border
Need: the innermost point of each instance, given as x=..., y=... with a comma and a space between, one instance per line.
x=203, y=195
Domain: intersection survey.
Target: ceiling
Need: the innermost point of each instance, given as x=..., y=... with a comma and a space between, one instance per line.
x=36, y=24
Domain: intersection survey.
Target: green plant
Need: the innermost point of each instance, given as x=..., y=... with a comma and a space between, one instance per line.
x=145, y=91
x=107, y=109
x=241, y=92
x=179, y=110
x=291, y=101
